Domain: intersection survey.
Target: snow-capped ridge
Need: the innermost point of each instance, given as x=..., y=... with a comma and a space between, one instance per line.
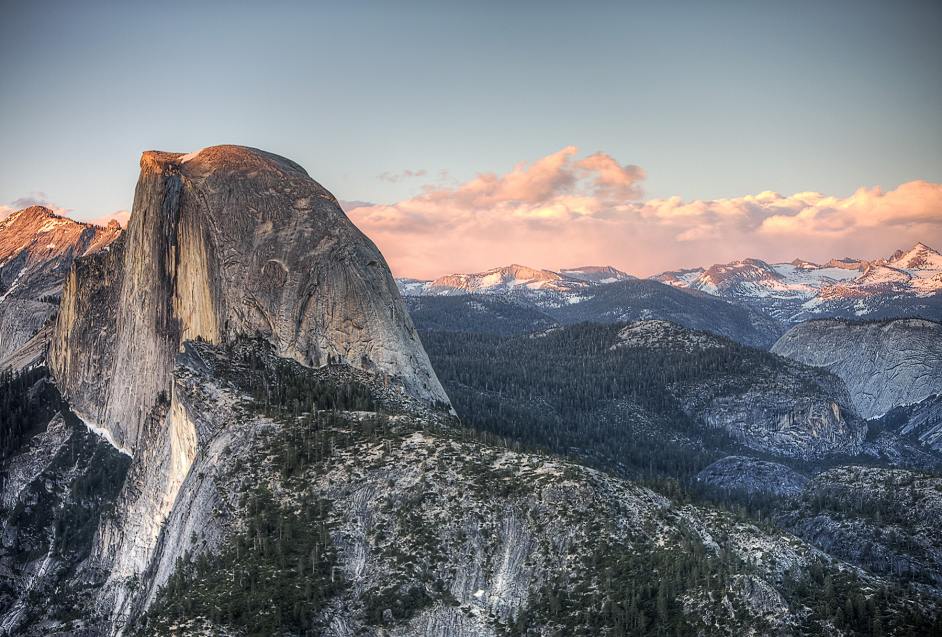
x=513, y=277
x=919, y=257
x=801, y=289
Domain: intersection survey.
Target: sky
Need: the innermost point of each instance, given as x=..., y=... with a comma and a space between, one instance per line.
x=462, y=136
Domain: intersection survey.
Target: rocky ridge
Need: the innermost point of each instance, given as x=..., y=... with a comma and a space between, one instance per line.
x=519, y=279
x=907, y=283
x=37, y=248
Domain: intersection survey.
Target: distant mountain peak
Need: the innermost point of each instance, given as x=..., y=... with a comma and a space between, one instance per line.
x=525, y=270
x=846, y=263
x=25, y=215
x=919, y=257
x=37, y=211
x=514, y=277
x=805, y=265
x=45, y=236
x=595, y=273
x=37, y=249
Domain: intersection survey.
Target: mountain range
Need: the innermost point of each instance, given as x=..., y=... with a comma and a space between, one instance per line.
x=518, y=279
x=908, y=282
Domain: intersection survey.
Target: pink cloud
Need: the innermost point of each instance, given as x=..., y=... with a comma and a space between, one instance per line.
x=32, y=199
x=562, y=210
x=121, y=216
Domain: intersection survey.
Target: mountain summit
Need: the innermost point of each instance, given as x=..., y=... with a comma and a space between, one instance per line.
x=514, y=278
x=224, y=242
x=919, y=257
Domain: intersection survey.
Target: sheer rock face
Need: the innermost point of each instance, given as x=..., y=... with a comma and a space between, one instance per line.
x=884, y=364
x=224, y=242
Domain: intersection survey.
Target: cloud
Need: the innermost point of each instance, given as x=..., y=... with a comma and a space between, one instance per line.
x=915, y=202
x=567, y=210
x=405, y=174
x=121, y=216
x=32, y=199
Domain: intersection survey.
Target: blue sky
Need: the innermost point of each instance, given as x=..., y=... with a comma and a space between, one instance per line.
x=710, y=99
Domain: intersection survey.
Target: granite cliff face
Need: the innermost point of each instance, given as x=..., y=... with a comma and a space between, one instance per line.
x=884, y=364
x=921, y=422
x=224, y=243
x=37, y=248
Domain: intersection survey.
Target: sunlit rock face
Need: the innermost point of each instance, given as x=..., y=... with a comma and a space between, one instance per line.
x=37, y=248
x=884, y=364
x=224, y=242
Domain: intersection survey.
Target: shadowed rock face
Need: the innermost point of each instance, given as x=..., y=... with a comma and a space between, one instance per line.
x=753, y=476
x=884, y=364
x=224, y=242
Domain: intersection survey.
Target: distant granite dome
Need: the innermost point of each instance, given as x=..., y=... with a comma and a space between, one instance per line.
x=885, y=364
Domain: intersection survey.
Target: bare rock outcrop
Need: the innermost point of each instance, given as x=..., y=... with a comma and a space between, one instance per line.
x=885, y=364
x=753, y=476
x=225, y=242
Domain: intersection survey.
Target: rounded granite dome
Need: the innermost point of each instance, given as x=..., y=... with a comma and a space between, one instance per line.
x=226, y=242
x=226, y=158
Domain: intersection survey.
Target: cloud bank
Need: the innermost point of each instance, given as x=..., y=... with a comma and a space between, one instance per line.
x=566, y=210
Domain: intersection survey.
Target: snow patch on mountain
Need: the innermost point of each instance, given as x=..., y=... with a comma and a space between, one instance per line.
x=103, y=433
